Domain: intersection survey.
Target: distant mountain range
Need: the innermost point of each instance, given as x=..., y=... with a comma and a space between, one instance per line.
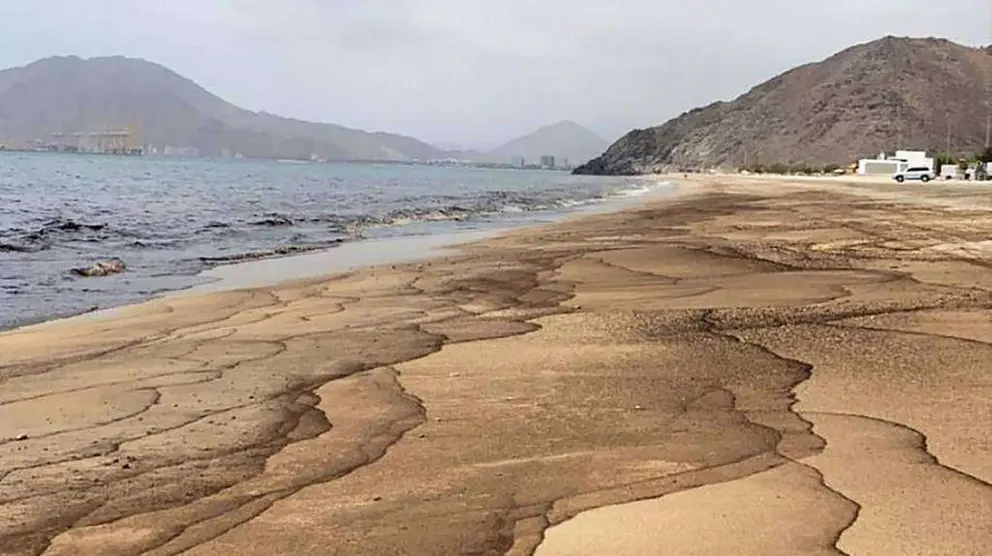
x=564, y=140
x=74, y=95
x=62, y=100
x=893, y=93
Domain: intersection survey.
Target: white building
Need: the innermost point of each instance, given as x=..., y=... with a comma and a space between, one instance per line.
x=916, y=158
x=900, y=162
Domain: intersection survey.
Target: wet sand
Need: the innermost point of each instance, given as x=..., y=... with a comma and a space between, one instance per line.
x=754, y=367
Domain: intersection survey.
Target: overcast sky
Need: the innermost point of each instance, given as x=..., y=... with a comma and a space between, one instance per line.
x=476, y=72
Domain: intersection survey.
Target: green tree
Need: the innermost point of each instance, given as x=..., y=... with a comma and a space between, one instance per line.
x=986, y=155
x=945, y=158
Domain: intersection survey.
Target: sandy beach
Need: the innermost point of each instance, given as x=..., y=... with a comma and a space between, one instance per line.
x=755, y=366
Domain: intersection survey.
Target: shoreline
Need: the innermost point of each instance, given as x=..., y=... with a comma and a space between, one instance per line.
x=233, y=212
x=404, y=249
x=600, y=382
x=353, y=255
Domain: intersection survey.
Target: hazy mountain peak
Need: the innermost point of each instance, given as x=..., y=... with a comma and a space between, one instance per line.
x=566, y=125
x=563, y=140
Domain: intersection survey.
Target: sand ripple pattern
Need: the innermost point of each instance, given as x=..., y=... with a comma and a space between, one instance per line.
x=757, y=368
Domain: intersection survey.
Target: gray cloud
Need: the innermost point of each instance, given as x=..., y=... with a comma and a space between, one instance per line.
x=472, y=71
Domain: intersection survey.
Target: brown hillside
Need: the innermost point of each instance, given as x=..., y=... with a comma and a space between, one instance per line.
x=887, y=94
x=71, y=94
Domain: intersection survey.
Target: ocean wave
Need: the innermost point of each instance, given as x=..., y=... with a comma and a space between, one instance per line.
x=268, y=253
x=69, y=225
x=164, y=243
x=62, y=227
x=641, y=189
x=274, y=221
x=445, y=213
x=15, y=248
x=439, y=208
x=43, y=237
x=302, y=229
x=404, y=217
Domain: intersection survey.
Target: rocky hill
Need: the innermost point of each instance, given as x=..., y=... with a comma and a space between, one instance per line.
x=70, y=94
x=563, y=140
x=888, y=94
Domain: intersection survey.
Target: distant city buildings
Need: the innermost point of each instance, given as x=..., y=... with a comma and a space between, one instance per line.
x=229, y=153
x=546, y=162
x=187, y=152
x=117, y=142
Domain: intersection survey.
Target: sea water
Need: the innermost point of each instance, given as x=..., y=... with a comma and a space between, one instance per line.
x=171, y=219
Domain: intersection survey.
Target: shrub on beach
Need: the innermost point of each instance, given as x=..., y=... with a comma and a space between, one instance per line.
x=778, y=168
x=801, y=169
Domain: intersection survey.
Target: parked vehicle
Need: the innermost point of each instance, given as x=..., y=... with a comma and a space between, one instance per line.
x=920, y=173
